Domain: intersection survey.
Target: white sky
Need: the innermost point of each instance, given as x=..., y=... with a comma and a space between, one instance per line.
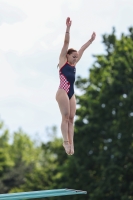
x=31, y=37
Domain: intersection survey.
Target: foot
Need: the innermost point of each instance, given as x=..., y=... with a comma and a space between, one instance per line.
x=72, y=149
x=67, y=147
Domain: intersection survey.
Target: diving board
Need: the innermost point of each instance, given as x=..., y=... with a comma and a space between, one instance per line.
x=40, y=194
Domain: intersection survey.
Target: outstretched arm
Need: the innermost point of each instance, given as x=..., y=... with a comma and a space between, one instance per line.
x=67, y=39
x=85, y=46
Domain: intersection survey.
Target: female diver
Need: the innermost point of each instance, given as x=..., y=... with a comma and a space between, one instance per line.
x=65, y=94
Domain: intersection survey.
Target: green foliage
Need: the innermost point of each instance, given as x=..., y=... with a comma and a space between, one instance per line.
x=103, y=159
x=23, y=148
x=14, y=177
x=5, y=160
x=16, y=159
x=48, y=171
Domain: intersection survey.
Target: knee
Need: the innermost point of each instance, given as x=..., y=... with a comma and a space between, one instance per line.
x=71, y=119
x=65, y=117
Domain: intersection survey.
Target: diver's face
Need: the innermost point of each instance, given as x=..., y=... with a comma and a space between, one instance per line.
x=72, y=58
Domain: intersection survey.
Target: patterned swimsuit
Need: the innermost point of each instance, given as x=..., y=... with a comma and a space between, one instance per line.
x=67, y=79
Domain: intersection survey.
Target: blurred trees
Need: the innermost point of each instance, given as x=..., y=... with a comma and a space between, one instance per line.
x=16, y=159
x=103, y=159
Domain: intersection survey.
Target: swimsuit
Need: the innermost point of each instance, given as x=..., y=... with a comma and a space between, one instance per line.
x=67, y=79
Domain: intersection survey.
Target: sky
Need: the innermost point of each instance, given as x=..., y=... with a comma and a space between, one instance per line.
x=31, y=38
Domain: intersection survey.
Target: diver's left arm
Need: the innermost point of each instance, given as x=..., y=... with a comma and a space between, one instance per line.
x=85, y=46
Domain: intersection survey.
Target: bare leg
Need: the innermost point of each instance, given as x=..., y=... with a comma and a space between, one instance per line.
x=71, y=121
x=63, y=102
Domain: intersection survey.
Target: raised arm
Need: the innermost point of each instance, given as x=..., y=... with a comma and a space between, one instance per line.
x=85, y=46
x=66, y=40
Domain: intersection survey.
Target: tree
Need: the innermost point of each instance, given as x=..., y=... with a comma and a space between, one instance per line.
x=48, y=170
x=16, y=159
x=5, y=160
x=103, y=159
